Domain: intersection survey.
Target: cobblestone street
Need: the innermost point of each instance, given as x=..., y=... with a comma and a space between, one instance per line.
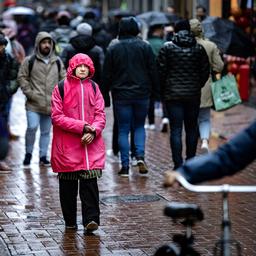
x=31, y=220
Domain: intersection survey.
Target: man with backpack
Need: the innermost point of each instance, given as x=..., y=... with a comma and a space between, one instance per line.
x=38, y=75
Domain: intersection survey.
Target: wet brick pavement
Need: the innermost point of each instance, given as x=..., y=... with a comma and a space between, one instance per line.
x=30, y=216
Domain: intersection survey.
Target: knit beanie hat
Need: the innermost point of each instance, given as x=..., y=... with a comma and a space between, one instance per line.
x=3, y=41
x=84, y=29
x=182, y=24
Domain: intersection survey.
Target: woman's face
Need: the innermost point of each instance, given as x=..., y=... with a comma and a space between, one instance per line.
x=82, y=71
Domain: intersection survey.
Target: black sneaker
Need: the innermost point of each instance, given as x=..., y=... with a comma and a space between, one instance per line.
x=164, y=128
x=124, y=172
x=27, y=159
x=44, y=162
x=143, y=169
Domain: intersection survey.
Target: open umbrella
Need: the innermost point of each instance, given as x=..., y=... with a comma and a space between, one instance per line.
x=120, y=13
x=154, y=18
x=20, y=10
x=228, y=37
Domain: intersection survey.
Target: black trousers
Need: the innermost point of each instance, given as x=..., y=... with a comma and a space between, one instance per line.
x=89, y=196
x=151, y=111
x=183, y=113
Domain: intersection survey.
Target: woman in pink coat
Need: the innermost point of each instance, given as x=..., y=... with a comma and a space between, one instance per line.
x=78, y=150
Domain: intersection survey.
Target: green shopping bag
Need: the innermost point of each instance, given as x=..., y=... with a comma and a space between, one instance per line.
x=225, y=93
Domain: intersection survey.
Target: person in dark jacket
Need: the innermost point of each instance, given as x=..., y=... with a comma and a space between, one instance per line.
x=63, y=33
x=49, y=20
x=183, y=67
x=84, y=42
x=156, y=40
x=228, y=159
x=8, y=86
x=99, y=31
x=129, y=72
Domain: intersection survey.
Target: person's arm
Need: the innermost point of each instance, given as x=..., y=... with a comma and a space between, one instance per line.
x=23, y=79
x=217, y=63
x=62, y=72
x=101, y=56
x=13, y=72
x=162, y=68
x=152, y=69
x=106, y=78
x=99, y=121
x=228, y=159
x=65, y=56
x=204, y=67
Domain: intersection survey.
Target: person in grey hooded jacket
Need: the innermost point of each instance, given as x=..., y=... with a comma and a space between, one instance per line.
x=37, y=84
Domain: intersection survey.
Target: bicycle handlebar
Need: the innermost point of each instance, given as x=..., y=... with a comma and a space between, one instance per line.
x=215, y=188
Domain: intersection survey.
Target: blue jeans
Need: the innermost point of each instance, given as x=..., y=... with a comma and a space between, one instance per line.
x=131, y=113
x=35, y=119
x=179, y=112
x=204, y=122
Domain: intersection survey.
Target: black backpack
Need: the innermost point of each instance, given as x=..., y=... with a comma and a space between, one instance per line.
x=61, y=87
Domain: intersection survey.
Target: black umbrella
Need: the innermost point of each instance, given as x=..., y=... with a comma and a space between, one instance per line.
x=120, y=13
x=228, y=36
x=154, y=18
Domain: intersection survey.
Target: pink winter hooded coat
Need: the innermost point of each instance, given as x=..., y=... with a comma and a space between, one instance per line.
x=80, y=105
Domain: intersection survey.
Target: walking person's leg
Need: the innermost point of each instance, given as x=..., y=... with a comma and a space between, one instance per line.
x=165, y=120
x=124, y=116
x=9, y=106
x=33, y=119
x=204, y=123
x=191, y=127
x=151, y=115
x=4, y=141
x=176, y=117
x=139, y=113
x=115, y=147
x=133, y=147
x=68, y=190
x=45, y=129
x=89, y=195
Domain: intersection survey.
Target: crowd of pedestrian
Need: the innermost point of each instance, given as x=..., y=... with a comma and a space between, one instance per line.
x=75, y=67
